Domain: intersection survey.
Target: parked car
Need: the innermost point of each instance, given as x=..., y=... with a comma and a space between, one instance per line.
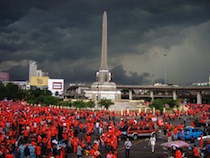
x=189, y=132
x=138, y=131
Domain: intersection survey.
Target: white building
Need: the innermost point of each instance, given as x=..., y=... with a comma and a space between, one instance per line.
x=56, y=86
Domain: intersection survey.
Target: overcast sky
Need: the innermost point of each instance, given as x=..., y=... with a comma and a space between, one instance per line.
x=64, y=37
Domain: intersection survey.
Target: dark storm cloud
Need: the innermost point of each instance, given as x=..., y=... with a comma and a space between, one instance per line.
x=141, y=18
x=120, y=77
x=19, y=73
x=52, y=34
x=85, y=76
x=11, y=11
x=64, y=37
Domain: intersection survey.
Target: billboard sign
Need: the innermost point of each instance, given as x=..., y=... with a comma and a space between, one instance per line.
x=39, y=81
x=57, y=85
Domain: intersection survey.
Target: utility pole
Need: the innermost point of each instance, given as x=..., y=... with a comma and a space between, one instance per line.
x=165, y=66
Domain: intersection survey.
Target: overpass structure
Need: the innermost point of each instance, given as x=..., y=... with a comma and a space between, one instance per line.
x=168, y=91
x=162, y=91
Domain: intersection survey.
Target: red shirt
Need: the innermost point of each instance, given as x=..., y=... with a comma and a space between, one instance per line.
x=38, y=150
x=25, y=133
x=178, y=154
x=195, y=151
x=88, y=138
x=9, y=156
x=175, y=130
x=169, y=134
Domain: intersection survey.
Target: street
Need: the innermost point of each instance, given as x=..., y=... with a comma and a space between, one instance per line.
x=140, y=147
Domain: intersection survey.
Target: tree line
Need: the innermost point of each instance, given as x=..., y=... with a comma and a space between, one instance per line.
x=44, y=97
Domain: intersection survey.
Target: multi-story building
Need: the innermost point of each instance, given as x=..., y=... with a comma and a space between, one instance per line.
x=32, y=69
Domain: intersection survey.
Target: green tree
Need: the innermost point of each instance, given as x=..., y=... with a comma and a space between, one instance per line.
x=65, y=103
x=90, y=104
x=37, y=95
x=106, y=103
x=2, y=91
x=79, y=104
x=56, y=93
x=157, y=104
x=50, y=100
x=172, y=103
x=12, y=91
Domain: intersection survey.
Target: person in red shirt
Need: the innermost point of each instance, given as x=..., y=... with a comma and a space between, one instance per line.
x=169, y=136
x=178, y=154
x=62, y=152
x=114, y=154
x=88, y=139
x=9, y=155
x=75, y=142
x=38, y=151
x=39, y=139
x=175, y=133
x=96, y=154
x=195, y=152
x=80, y=127
x=92, y=151
x=49, y=146
x=25, y=134
x=82, y=143
x=95, y=146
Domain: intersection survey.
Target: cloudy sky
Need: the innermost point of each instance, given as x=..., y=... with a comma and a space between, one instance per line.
x=64, y=37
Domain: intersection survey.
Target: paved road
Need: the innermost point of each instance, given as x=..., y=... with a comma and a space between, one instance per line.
x=140, y=148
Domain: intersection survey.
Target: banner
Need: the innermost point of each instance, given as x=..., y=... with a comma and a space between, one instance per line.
x=39, y=81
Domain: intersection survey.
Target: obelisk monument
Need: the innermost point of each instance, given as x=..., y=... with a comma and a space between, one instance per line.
x=104, y=75
x=104, y=43
x=103, y=87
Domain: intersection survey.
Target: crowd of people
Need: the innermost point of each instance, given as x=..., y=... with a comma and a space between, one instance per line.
x=38, y=131
x=199, y=115
x=54, y=132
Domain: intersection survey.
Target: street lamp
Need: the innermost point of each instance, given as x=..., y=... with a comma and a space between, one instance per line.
x=165, y=54
x=97, y=97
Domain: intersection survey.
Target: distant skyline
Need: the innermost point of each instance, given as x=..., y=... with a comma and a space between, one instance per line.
x=64, y=37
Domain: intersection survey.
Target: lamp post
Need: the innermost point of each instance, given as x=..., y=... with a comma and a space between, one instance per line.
x=165, y=68
x=97, y=96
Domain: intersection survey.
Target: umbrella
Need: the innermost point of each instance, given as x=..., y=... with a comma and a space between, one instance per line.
x=204, y=137
x=178, y=144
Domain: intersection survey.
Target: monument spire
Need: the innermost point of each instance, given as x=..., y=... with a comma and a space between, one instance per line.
x=104, y=43
x=103, y=87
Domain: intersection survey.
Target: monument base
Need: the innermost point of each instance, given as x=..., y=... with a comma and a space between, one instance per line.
x=105, y=90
